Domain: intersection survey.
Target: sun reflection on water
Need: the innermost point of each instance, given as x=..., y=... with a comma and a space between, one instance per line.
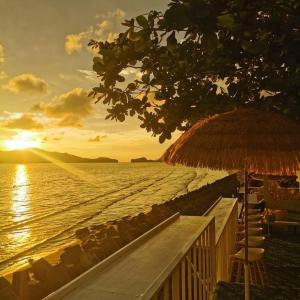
x=19, y=236
x=20, y=202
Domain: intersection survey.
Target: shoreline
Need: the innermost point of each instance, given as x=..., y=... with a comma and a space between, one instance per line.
x=97, y=242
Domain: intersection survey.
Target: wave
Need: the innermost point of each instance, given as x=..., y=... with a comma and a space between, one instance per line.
x=75, y=225
x=68, y=208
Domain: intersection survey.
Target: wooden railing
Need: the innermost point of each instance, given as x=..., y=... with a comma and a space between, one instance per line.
x=193, y=277
x=226, y=243
x=180, y=259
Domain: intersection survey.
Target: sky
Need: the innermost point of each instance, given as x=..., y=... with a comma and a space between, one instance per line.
x=46, y=74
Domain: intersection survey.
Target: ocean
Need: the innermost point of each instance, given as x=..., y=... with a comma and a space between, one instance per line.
x=42, y=205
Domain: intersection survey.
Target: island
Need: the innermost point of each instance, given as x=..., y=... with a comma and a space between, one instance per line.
x=142, y=160
x=42, y=156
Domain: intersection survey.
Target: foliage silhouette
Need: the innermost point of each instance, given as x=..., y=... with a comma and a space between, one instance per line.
x=202, y=57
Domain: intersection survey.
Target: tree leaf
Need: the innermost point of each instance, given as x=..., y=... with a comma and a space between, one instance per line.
x=120, y=78
x=146, y=78
x=135, y=36
x=162, y=138
x=142, y=21
x=171, y=42
x=176, y=17
x=131, y=86
x=226, y=21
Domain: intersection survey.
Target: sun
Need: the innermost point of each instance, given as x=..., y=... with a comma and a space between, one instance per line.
x=22, y=140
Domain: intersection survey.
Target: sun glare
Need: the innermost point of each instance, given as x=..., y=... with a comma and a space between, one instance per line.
x=22, y=140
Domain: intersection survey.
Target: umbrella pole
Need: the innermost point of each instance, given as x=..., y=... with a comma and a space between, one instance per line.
x=246, y=263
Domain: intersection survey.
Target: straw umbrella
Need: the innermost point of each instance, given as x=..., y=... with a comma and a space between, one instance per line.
x=244, y=139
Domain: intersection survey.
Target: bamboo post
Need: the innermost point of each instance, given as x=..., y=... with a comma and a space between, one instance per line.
x=246, y=263
x=267, y=201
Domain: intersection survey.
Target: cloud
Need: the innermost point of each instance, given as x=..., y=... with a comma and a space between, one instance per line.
x=70, y=108
x=105, y=30
x=70, y=121
x=112, y=36
x=119, y=13
x=50, y=138
x=90, y=75
x=97, y=138
x=1, y=54
x=65, y=76
x=134, y=73
x=73, y=43
x=3, y=75
x=25, y=122
x=27, y=84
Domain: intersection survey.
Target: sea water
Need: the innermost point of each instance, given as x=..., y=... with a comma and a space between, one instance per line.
x=42, y=205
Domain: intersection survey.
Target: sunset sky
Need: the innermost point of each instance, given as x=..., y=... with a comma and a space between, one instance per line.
x=46, y=73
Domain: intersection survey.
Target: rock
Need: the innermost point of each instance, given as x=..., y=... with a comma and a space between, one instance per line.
x=38, y=290
x=72, y=270
x=119, y=241
x=40, y=269
x=124, y=225
x=146, y=226
x=137, y=230
x=82, y=233
x=90, y=243
x=110, y=231
x=141, y=217
x=100, y=234
x=9, y=294
x=71, y=255
x=110, y=246
x=111, y=223
x=51, y=277
x=62, y=274
x=154, y=219
x=126, y=237
x=125, y=228
x=87, y=260
x=162, y=211
x=6, y=290
x=20, y=283
x=99, y=252
x=98, y=227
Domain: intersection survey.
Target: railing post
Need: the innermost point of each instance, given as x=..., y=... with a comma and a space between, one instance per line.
x=195, y=269
x=213, y=253
x=194, y=276
x=175, y=284
x=167, y=290
x=183, y=279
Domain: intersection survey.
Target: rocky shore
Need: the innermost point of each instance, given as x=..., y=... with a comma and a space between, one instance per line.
x=98, y=242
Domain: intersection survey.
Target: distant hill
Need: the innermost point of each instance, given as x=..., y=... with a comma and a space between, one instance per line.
x=40, y=156
x=143, y=159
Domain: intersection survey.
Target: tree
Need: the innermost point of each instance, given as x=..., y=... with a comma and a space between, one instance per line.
x=202, y=57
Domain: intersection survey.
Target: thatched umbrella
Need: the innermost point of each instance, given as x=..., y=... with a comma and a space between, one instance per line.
x=245, y=139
